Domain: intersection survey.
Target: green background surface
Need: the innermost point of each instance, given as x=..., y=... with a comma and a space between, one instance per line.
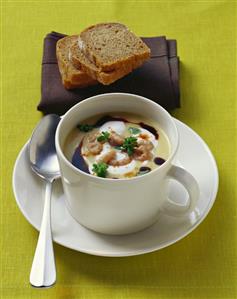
x=203, y=265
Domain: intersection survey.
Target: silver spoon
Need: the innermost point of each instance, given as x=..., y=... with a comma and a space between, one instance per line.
x=43, y=161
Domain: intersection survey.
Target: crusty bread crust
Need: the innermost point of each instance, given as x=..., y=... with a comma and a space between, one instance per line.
x=72, y=77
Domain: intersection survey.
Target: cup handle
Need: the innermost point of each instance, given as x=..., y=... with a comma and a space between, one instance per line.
x=190, y=184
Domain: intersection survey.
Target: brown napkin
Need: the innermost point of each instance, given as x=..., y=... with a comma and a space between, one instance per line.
x=157, y=79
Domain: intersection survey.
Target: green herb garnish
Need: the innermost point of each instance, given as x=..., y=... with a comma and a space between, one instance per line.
x=100, y=169
x=129, y=145
x=134, y=130
x=103, y=137
x=85, y=127
x=119, y=147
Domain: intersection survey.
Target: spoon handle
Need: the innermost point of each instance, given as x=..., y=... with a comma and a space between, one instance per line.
x=43, y=271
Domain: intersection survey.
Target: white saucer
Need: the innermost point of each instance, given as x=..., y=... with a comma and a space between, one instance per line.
x=193, y=154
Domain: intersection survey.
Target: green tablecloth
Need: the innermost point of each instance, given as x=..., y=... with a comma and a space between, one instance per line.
x=203, y=265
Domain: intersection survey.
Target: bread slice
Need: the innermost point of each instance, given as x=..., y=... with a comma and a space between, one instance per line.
x=108, y=51
x=72, y=77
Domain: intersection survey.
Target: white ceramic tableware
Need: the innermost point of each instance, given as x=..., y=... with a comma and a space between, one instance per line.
x=29, y=192
x=122, y=206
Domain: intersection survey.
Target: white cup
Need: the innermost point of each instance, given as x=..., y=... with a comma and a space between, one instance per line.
x=122, y=206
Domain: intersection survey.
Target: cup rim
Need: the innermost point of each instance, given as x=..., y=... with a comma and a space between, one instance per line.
x=96, y=178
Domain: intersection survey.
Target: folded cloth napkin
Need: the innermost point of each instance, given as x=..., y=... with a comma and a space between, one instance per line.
x=157, y=79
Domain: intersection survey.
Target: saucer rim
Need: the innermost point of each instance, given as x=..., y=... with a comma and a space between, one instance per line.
x=140, y=251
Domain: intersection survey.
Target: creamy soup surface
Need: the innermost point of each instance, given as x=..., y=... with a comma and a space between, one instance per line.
x=117, y=145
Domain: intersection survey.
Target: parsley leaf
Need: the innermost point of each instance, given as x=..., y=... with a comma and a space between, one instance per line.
x=103, y=137
x=85, y=127
x=129, y=145
x=134, y=130
x=119, y=147
x=100, y=169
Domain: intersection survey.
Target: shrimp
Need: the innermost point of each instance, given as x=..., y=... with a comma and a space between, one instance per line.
x=143, y=150
x=106, y=158
x=121, y=162
x=115, y=139
x=92, y=145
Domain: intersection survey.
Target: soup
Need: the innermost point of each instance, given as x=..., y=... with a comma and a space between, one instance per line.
x=117, y=146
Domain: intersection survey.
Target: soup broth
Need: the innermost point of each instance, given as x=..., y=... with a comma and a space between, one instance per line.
x=117, y=145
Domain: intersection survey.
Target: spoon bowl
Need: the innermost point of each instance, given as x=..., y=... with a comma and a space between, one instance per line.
x=42, y=151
